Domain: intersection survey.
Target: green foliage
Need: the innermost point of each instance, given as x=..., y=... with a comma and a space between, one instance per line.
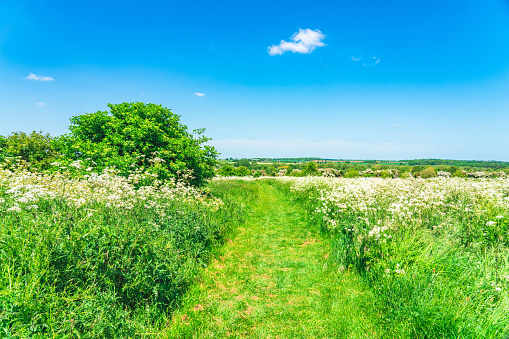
x=103, y=272
x=242, y=171
x=230, y=171
x=138, y=135
x=459, y=173
x=35, y=148
x=242, y=162
x=352, y=173
x=417, y=168
x=311, y=168
x=428, y=173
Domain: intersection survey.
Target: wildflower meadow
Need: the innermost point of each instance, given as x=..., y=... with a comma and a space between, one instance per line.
x=433, y=252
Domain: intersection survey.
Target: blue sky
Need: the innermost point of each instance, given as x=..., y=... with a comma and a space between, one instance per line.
x=334, y=79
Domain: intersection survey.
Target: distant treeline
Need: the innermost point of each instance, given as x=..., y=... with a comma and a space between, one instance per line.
x=331, y=163
x=459, y=163
x=354, y=168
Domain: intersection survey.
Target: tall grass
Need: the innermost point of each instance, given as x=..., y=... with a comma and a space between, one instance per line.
x=100, y=256
x=434, y=252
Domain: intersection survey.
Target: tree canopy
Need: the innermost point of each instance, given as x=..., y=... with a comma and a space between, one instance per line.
x=34, y=148
x=138, y=135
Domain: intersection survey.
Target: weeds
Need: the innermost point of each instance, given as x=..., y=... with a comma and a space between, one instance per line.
x=434, y=252
x=96, y=256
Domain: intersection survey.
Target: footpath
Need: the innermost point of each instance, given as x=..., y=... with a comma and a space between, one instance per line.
x=274, y=280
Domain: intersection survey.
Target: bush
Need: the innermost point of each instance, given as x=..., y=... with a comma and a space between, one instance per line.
x=311, y=168
x=138, y=135
x=242, y=171
x=459, y=173
x=428, y=173
x=35, y=148
x=352, y=173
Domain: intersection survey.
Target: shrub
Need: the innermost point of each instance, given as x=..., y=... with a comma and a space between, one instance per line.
x=35, y=148
x=310, y=168
x=242, y=171
x=138, y=135
x=227, y=170
x=352, y=173
x=428, y=173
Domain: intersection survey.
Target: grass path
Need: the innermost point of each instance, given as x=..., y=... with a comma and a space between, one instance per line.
x=273, y=280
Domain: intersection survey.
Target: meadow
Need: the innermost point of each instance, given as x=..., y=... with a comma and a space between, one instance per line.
x=94, y=254
x=89, y=255
x=434, y=253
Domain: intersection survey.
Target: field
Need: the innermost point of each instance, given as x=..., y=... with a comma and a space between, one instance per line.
x=92, y=255
x=99, y=255
x=434, y=253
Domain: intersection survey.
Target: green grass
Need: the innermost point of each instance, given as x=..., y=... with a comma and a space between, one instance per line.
x=261, y=266
x=273, y=279
x=101, y=271
x=441, y=272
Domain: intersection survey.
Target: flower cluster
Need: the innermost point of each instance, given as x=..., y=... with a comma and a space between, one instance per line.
x=24, y=189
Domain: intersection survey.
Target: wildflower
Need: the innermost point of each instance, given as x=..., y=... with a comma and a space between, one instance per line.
x=14, y=209
x=498, y=289
x=491, y=223
x=499, y=216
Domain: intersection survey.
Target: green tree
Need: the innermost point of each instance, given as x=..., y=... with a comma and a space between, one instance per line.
x=242, y=162
x=138, y=135
x=227, y=171
x=35, y=148
x=428, y=173
x=311, y=168
x=242, y=171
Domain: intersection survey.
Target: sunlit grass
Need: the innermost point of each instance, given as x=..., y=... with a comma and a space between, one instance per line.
x=434, y=252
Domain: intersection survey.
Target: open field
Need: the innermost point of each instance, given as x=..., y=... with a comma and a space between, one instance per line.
x=434, y=253
x=98, y=255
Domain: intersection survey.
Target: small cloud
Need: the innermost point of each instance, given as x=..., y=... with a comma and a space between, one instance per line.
x=371, y=61
x=32, y=76
x=142, y=93
x=366, y=61
x=40, y=104
x=305, y=41
x=397, y=125
x=199, y=94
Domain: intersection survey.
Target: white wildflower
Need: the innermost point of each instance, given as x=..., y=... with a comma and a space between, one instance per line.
x=14, y=209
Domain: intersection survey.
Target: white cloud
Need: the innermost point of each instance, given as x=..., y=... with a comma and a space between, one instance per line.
x=40, y=104
x=32, y=76
x=367, y=61
x=199, y=94
x=305, y=41
x=372, y=61
x=397, y=125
